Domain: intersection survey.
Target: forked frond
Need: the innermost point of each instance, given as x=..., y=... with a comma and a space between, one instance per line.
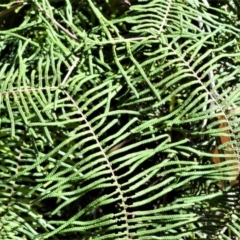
x=119, y=120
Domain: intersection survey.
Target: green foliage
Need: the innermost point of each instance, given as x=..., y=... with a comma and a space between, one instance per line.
x=109, y=114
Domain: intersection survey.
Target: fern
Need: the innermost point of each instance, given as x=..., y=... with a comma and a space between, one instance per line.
x=119, y=120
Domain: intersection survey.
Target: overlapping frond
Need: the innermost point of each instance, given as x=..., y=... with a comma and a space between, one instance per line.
x=119, y=121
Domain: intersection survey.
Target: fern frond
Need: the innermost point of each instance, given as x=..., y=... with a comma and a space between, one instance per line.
x=119, y=122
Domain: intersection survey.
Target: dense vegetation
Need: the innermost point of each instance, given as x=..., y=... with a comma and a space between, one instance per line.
x=119, y=119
